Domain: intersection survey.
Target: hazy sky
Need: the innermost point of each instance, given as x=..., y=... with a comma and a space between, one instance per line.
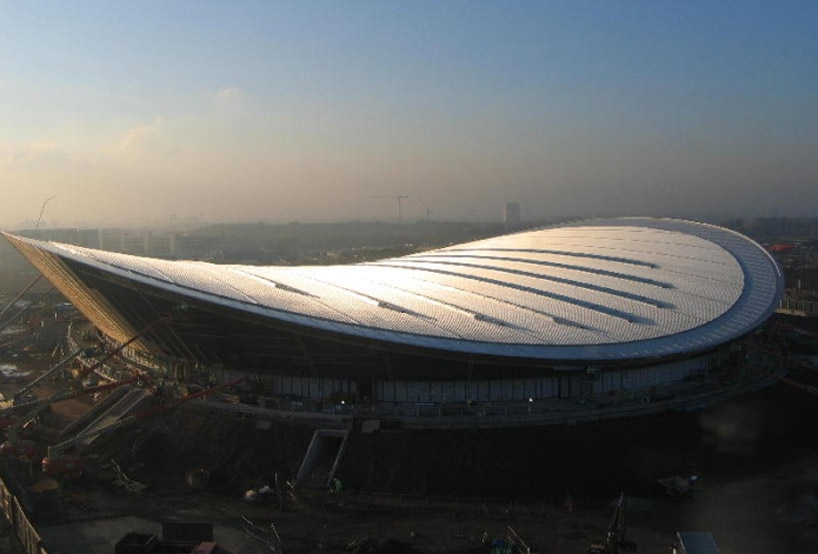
x=143, y=112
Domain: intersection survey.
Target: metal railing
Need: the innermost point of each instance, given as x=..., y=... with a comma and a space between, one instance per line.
x=499, y=414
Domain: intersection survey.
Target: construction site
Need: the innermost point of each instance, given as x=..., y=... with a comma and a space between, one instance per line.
x=106, y=451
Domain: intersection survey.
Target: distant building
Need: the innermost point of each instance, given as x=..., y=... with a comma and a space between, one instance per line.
x=89, y=238
x=511, y=214
x=127, y=241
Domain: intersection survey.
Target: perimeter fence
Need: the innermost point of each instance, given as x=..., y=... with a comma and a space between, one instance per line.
x=21, y=526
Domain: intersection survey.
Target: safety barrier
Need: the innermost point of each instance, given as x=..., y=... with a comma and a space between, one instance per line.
x=20, y=524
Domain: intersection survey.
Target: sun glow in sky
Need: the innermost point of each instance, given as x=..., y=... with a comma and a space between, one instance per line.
x=136, y=113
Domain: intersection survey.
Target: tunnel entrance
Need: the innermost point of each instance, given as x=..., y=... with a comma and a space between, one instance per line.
x=322, y=458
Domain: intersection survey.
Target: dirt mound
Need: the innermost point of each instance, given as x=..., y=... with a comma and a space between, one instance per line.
x=231, y=451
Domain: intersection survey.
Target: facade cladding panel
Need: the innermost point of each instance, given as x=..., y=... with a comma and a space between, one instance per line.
x=520, y=390
x=617, y=290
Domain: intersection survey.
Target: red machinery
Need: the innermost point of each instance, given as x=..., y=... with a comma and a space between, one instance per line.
x=57, y=464
x=14, y=446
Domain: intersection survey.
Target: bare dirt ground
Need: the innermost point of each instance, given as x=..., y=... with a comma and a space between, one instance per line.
x=757, y=457
x=757, y=510
x=767, y=513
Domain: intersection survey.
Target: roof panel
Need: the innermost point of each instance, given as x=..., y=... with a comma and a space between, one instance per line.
x=603, y=289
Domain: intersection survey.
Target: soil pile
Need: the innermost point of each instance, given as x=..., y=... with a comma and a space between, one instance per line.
x=219, y=452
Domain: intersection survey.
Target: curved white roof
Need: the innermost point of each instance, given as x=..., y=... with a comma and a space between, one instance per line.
x=591, y=290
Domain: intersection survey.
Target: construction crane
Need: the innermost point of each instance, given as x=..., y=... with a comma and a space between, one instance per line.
x=615, y=541
x=67, y=393
x=13, y=445
x=20, y=393
x=694, y=542
x=8, y=418
x=20, y=295
x=25, y=309
x=42, y=211
x=58, y=464
x=425, y=207
x=400, y=198
x=148, y=328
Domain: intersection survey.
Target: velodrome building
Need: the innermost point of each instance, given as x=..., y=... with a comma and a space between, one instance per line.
x=591, y=313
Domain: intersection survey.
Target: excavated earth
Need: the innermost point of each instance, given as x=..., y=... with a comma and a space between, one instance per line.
x=440, y=491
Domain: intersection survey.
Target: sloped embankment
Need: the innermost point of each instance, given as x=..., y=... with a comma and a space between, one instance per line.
x=234, y=451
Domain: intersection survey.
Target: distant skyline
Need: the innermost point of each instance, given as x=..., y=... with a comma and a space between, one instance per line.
x=140, y=113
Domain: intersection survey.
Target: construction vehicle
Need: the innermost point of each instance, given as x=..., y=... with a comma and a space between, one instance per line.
x=59, y=464
x=615, y=541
